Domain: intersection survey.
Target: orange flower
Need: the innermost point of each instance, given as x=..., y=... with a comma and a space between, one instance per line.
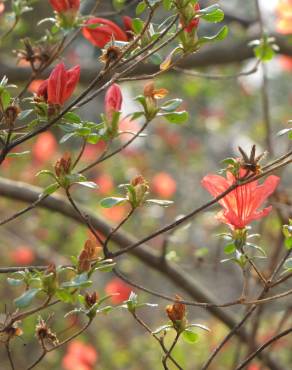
x=45, y=147
x=79, y=356
x=114, y=214
x=240, y=206
x=151, y=92
x=118, y=287
x=35, y=85
x=22, y=255
x=284, y=13
x=163, y=185
x=105, y=183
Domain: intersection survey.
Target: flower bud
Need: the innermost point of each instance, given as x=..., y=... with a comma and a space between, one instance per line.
x=88, y=254
x=139, y=189
x=11, y=113
x=176, y=313
x=63, y=165
x=90, y=299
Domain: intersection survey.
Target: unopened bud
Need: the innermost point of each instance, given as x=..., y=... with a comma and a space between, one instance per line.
x=63, y=165
x=176, y=313
x=90, y=299
x=11, y=113
x=139, y=189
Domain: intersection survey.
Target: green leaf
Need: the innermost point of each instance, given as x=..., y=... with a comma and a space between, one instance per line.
x=258, y=248
x=167, y=4
x=189, y=336
x=162, y=328
x=219, y=36
x=15, y=282
x=137, y=25
x=215, y=16
x=288, y=243
x=229, y=248
x=25, y=299
x=171, y=105
x=88, y=184
x=67, y=137
x=25, y=113
x=51, y=188
x=141, y=7
x=105, y=268
x=288, y=264
x=80, y=281
x=111, y=202
x=16, y=155
x=72, y=117
x=93, y=138
x=176, y=117
x=160, y=202
x=5, y=98
x=64, y=295
x=200, y=326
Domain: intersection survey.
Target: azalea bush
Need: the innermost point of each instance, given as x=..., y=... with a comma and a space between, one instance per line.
x=122, y=134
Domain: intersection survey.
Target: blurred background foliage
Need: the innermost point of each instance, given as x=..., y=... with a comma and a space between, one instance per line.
x=173, y=158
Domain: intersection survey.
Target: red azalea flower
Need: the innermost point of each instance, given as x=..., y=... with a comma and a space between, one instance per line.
x=103, y=32
x=117, y=286
x=163, y=185
x=240, y=206
x=113, y=100
x=61, y=6
x=60, y=85
x=194, y=22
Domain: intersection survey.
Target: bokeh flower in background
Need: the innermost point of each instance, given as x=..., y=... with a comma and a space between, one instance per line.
x=44, y=148
x=163, y=185
x=79, y=356
x=119, y=289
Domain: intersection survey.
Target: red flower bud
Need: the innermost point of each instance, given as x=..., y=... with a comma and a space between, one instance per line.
x=103, y=32
x=194, y=22
x=113, y=100
x=61, y=6
x=60, y=85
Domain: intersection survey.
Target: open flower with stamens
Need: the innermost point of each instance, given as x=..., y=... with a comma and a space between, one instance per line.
x=241, y=205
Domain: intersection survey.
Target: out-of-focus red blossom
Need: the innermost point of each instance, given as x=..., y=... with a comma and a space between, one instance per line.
x=284, y=17
x=92, y=151
x=126, y=124
x=253, y=367
x=113, y=100
x=45, y=147
x=60, y=85
x=240, y=206
x=103, y=32
x=61, y=6
x=2, y=7
x=114, y=214
x=105, y=183
x=194, y=22
x=118, y=287
x=35, y=86
x=79, y=356
x=286, y=63
x=22, y=255
x=163, y=185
